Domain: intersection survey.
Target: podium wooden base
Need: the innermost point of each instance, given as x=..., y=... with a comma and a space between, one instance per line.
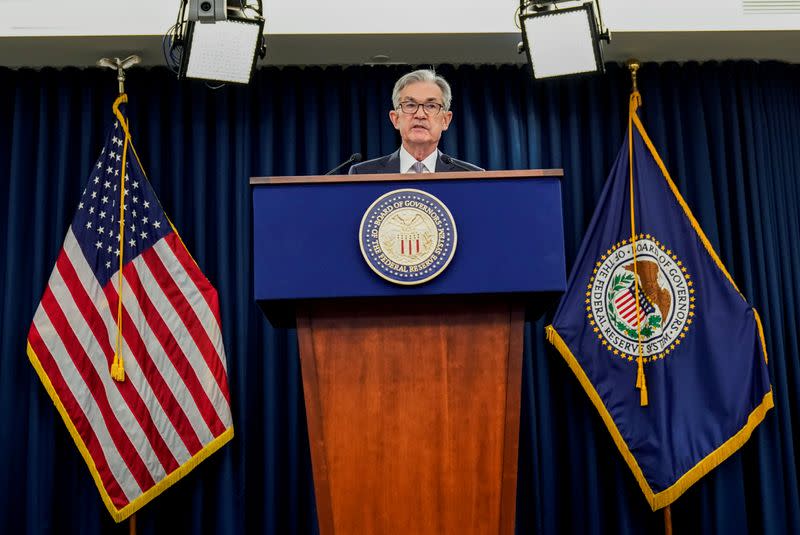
x=413, y=413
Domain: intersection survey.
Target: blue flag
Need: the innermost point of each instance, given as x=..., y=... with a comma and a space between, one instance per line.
x=656, y=331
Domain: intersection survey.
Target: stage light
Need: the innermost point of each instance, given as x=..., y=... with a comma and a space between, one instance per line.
x=208, y=10
x=216, y=40
x=560, y=39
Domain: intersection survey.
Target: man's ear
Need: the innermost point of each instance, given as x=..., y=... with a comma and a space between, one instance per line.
x=394, y=117
x=448, y=116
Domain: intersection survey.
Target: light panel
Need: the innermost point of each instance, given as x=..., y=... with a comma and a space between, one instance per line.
x=224, y=51
x=562, y=42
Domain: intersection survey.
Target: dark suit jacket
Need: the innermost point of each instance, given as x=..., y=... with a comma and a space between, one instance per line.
x=391, y=164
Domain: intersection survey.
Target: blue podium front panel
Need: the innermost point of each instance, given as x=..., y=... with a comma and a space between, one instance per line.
x=306, y=239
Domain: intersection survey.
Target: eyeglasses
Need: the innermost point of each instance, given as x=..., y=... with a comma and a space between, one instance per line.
x=430, y=108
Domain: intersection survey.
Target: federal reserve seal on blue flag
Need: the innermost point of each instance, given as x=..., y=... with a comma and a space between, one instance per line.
x=408, y=236
x=667, y=348
x=665, y=292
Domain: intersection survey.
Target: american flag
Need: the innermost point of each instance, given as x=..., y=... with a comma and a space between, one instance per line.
x=626, y=305
x=140, y=435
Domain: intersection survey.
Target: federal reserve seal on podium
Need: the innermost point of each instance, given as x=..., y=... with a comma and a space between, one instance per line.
x=407, y=236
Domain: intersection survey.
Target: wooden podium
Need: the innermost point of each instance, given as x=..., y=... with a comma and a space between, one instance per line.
x=412, y=392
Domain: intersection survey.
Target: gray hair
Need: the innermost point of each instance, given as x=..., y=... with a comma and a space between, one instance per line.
x=422, y=75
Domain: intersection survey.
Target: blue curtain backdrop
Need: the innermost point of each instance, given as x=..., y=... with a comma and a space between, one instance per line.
x=728, y=133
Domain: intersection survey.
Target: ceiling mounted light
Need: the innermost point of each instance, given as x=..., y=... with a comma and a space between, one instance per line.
x=216, y=40
x=208, y=10
x=562, y=38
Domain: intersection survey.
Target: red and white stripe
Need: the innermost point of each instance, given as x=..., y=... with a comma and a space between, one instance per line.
x=626, y=306
x=175, y=398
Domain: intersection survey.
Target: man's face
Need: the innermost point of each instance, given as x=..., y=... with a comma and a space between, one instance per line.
x=419, y=130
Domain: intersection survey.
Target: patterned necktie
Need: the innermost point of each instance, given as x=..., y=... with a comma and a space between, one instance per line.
x=418, y=167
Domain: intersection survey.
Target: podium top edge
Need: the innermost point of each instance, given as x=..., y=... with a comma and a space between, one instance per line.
x=407, y=177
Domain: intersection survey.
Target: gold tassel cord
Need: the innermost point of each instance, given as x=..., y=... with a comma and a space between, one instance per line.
x=118, y=365
x=641, y=383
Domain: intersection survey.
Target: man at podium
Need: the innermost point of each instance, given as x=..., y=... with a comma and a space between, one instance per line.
x=421, y=101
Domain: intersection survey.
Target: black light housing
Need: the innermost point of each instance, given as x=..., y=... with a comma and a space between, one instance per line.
x=208, y=10
x=213, y=41
x=562, y=41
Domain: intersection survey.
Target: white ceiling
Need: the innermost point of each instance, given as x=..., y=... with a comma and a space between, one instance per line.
x=77, y=32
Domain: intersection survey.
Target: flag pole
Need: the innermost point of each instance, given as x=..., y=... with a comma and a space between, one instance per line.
x=667, y=520
x=633, y=66
x=120, y=65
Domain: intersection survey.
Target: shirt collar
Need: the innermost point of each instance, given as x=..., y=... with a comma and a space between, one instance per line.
x=406, y=160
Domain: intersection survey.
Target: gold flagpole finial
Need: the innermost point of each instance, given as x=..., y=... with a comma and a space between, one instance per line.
x=120, y=66
x=633, y=66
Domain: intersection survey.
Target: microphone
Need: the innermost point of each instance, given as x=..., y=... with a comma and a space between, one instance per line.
x=351, y=160
x=452, y=161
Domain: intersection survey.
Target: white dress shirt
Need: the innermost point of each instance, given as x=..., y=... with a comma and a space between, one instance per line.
x=407, y=161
